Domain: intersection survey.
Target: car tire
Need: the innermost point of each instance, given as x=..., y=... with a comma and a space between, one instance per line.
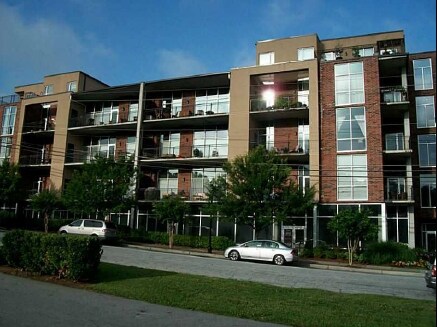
x=278, y=260
x=234, y=255
x=63, y=232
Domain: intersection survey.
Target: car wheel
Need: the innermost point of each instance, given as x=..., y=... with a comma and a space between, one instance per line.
x=63, y=232
x=234, y=256
x=278, y=260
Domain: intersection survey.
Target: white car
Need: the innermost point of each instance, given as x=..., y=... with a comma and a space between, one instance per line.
x=263, y=250
x=430, y=275
x=91, y=227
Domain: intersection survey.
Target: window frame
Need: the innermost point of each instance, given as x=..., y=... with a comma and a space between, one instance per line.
x=48, y=89
x=266, y=58
x=351, y=174
x=430, y=149
x=350, y=124
x=430, y=181
x=302, y=53
x=72, y=86
x=428, y=106
x=422, y=74
x=8, y=120
x=340, y=77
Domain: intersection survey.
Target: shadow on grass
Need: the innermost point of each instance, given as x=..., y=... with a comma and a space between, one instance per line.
x=108, y=272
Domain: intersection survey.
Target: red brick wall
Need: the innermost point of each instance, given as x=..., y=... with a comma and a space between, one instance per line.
x=328, y=154
x=123, y=112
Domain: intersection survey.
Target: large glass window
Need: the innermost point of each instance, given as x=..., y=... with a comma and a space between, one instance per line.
x=130, y=145
x=5, y=148
x=168, y=182
x=349, y=83
x=267, y=58
x=425, y=112
x=133, y=112
x=366, y=52
x=426, y=150
x=8, y=120
x=72, y=86
x=305, y=53
x=170, y=144
x=427, y=191
x=210, y=143
x=200, y=179
x=48, y=89
x=352, y=177
x=397, y=224
x=351, y=129
x=422, y=74
x=212, y=101
x=304, y=178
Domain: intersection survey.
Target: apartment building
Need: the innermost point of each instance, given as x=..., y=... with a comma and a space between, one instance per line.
x=354, y=117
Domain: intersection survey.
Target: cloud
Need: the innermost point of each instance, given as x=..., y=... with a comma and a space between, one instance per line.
x=173, y=63
x=35, y=48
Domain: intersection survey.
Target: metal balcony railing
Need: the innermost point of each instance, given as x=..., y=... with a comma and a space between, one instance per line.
x=8, y=99
x=394, y=95
x=194, y=151
x=397, y=142
x=36, y=159
x=283, y=102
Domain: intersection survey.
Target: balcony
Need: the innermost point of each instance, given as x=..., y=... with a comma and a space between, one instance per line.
x=398, y=190
x=203, y=151
x=35, y=159
x=97, y=119
x=45, y=125
x=393, y=95
x=398, y=144
x=9, y=99
x=155, y=194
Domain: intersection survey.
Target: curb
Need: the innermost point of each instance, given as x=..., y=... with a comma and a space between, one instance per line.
x=318, y=265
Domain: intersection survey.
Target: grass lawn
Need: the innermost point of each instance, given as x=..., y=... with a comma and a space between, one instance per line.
x=296, y=307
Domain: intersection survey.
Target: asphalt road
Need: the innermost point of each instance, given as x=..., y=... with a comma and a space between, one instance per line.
x=29, y=303
x=286, y=276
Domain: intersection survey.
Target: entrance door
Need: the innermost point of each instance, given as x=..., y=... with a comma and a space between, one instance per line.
x=292, y=235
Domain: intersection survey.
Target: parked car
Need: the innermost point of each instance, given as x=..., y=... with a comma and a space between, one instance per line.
x=263, y=250
x=104, y=230
x=430, y=275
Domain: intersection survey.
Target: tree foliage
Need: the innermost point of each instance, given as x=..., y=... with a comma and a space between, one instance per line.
x=46, y=202
x=10, y=184
x=101, y=186
x=355, y=226
x=171, y=209
x=259, y=190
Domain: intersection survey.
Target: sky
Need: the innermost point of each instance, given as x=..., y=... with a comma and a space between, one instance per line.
x=124, y=42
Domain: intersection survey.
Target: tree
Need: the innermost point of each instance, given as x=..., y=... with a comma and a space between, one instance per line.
x=46, y=202
x=171, y=209
x=10, y=184
x=259, y=190
x=216, y=193
x=355, y=226
x=101, y=186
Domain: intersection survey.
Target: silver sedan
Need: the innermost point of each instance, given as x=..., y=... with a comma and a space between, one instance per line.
x=263, y=250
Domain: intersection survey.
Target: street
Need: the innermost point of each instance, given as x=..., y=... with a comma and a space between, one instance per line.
x=285, y=276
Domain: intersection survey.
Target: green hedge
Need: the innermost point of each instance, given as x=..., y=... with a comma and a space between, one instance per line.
x=69, y=256
x=140, y=235
x=387, y=253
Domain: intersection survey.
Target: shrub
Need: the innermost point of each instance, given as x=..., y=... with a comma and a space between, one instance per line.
x=320, y=250
x=69, y=256
x=387, y=252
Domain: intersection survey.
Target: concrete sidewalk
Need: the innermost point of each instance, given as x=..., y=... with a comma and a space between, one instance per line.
x=308, y=263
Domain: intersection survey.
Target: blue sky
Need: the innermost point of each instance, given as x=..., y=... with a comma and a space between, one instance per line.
x=122, y=42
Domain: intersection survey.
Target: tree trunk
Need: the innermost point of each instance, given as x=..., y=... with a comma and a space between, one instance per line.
x=46, y=222
x=170, y=237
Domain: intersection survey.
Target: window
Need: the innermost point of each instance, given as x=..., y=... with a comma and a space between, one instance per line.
x=8, y=120
x=267, y=58
x=304, y=178
x=397, y=224
x=200, y=179
x=48, y=89
x=5, y=148
x=422, y=74
x=366, y=52
x=426, y=150
x=168, y=182
x=72, y=86
x=351, y=129
x=305, y=53
x=329, y=56
x=170, y=144
x=349, y=83
x=352, y=177
x=303, y=90
x=133, y=112
x=425, y=112
x=210, y=143
x=130, y=145
x=427, y=191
